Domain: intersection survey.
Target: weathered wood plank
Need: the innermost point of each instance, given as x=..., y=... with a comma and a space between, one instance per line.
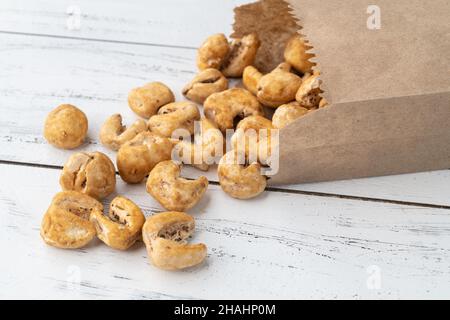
x=304, y=246
x=423, y=187
x=173, y=23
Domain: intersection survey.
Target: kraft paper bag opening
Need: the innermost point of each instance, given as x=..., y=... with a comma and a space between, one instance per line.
x=386, y=75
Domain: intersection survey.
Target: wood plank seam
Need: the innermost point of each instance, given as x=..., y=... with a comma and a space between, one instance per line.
x=96, y=40
x=275, y=189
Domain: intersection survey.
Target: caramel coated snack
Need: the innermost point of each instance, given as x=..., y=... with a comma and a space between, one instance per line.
x=223, y=107
x=254, y=122
x=146, y=100
x=244, y=141
x=296, y=54
x=204, y=84
x=137, y=157
x=278, y=87
x=287, y=114
x=66, y=223
x=66, y=127
x=239, y=179
x=242, y=54
x=207, y=145
x=213, y=52
x=122, y=227
x=113, y=134
x=165, y=235
x=250, y=79
x=308, y=95
x=172, y=191
x=174, y=116
x=90, y=173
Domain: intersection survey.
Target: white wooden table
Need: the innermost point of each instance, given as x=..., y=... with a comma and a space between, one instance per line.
x=386, y=237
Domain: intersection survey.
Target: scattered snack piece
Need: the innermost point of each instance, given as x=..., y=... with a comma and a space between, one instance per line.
x=190, y=153
x=296, y=54
x=66, y=127
x=243, y=140
x=254, y=122
x=165, y=235
x=306, y=76
x=242, y=54
x=284, y=66
x=213, y=52
x=207, y=145
x=267, y=146
x=204, y=84
x=172, y=191
x=113, y=134
x=89, y=173
x=250, y=79
x=223, y=107
x=287, y=114
x=211, y=139
x=308, y=95
x=146, y=100
x=239, y=179
x=137, y=157
x=278, y=87
x=122, y=227
x=76, y=202
x=66, y=223
x=174, y=116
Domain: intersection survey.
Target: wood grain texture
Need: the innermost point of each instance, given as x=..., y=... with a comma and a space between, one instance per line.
x=423, y=187
x=172, y=23
x=304, y=246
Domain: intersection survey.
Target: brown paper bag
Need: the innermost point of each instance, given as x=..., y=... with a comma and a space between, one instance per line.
x=388, y=88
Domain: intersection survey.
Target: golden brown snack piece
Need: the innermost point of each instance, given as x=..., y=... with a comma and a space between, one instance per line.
x=165, y=235
x=244, y=140
x=306, y=76
x=122, y=227
x=208, y=144
x=66, y=127
x=89, y=173
x=296, y=54
x=267, y=148
x=213, y=52
x=250, y=79
x=137, y=157
x=254, y=122
x=190, y=153
x=146, y=100
x=242, y=54
x=204, y=84
x=239, y=179
x=66, y=223
x=288, y=113
x=308, y=95
x=77, y=203
x=278, y=87
x=284, y=66
x=223, y=107
x=173, y=116
x=113, y=134
x=64, y=230
x=172, y=191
